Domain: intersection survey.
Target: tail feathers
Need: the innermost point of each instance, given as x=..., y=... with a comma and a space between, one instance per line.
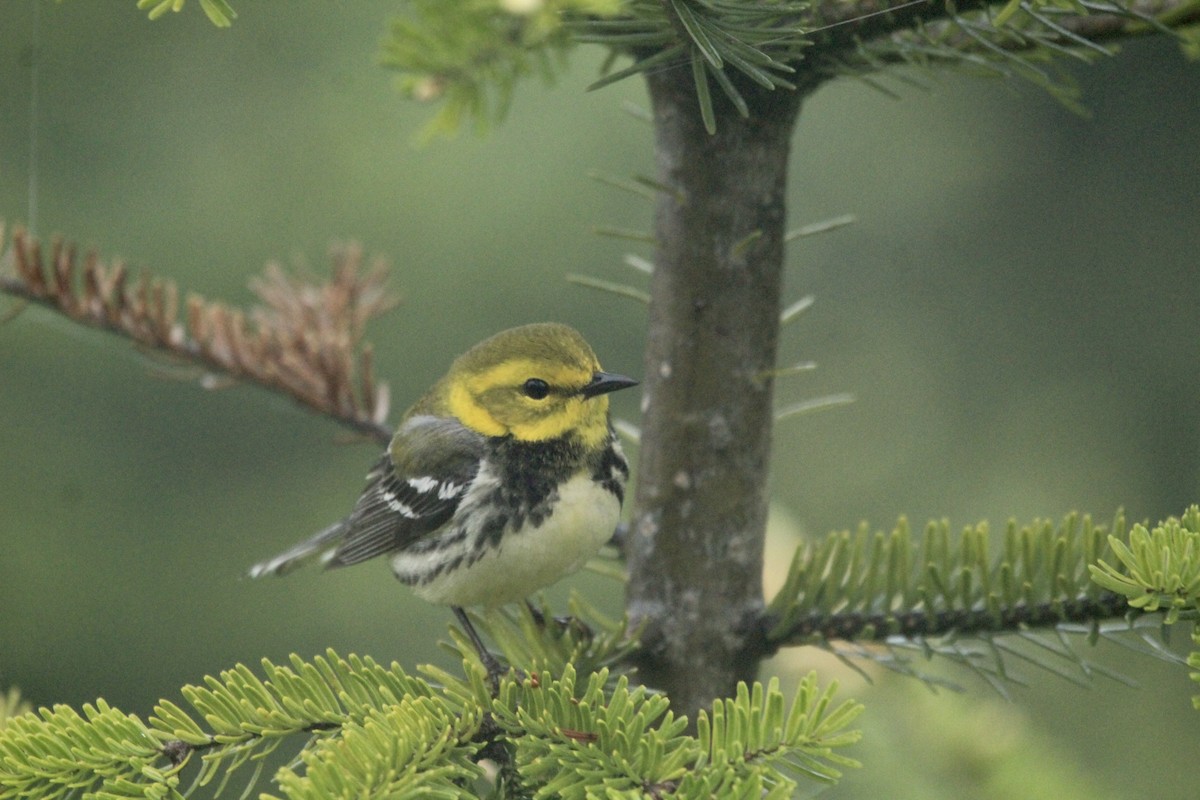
x=319, y=546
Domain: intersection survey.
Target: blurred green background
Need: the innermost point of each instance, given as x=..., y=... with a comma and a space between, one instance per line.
x=1015, y=312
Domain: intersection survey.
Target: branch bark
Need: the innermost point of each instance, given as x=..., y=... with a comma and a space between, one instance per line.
x=695, y=543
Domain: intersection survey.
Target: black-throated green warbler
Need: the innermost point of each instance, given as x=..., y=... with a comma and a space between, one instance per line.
x=503, y=478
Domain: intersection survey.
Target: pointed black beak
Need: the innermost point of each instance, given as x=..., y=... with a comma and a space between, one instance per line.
x=605, y=382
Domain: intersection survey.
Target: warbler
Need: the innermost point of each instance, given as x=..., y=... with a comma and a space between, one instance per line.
x=504, y=477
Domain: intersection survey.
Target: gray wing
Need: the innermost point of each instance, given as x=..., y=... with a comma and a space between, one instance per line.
x=413, y=490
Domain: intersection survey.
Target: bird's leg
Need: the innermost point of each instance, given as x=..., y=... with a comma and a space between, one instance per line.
x=489, y=661
x=538, y=617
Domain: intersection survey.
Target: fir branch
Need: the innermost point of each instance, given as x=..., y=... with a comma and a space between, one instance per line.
x=469, y=56
x=304, y=340
x=419, y=747
x=247, y=717
x=884, y=597
x=875, y=587
x=919, y=623
x=839, y=25
x=790, y=46
x=1157, y=569
x=574, y=739
x=571, y=735
x=59, y=753
x=752, y=728
x=371, y=730
x=866, y=37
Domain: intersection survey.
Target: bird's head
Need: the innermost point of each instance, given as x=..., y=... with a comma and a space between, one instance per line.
x=535, y=382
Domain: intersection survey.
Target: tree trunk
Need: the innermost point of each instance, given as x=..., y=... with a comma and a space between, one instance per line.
x=695, y=546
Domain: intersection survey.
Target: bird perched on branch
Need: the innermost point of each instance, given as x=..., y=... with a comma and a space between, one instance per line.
x=504, y=477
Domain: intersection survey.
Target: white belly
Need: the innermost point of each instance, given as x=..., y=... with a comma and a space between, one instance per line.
x=531, y=559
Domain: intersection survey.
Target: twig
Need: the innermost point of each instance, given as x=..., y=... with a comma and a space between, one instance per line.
x=304, y=340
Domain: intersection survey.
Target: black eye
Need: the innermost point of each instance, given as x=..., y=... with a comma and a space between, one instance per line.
x=535, y=388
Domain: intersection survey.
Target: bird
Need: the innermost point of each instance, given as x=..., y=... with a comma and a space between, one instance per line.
x=504, y=477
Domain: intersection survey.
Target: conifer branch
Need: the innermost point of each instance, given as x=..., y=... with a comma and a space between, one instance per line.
x=1157, y=569
x=471, y=56
x=778, y=46
x=872, y=587
x=372, y=731
x=879, y=596
x=840, y=25
x=303, y=340
x=1016, y=39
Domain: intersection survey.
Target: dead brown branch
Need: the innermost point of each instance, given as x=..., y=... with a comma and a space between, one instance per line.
x=304, y=340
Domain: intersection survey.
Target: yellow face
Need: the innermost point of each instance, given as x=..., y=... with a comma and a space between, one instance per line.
x=531, y=383
x=531, y=400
